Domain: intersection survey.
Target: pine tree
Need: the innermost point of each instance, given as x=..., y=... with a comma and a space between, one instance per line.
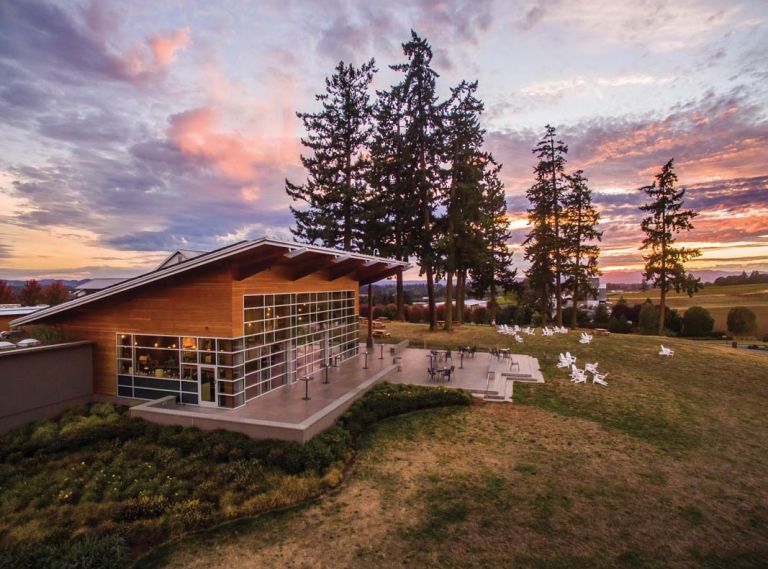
x=492, y=266
x=338, y=137
x=422, y=154
x=665, y=263
x=464, y=140
x=544, y=242
x=579, y=231
x=390, y=216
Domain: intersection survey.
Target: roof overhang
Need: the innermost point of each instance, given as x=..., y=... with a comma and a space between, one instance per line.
x=300, y=257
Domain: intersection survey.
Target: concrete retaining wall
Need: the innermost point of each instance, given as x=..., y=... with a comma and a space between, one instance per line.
x=43, y=381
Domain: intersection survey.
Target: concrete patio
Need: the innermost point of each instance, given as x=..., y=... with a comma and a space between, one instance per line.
x=285, y=414
x=483, y=374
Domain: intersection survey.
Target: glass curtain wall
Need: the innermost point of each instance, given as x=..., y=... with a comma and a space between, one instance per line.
x=287, y=336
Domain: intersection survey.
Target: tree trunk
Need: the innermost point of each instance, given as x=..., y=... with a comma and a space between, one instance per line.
x=492, y=303
x=400, y=297
x=461, y=283
x=431, y=299
x=663, y=295
x=449, y=303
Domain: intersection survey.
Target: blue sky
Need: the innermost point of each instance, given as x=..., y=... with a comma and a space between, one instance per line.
x=133, y=128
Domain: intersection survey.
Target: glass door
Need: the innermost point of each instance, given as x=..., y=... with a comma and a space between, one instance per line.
x=207, y=385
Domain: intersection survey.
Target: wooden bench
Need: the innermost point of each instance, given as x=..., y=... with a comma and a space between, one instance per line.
x=380, y=334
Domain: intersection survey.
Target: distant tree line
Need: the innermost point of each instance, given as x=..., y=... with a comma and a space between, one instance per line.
x=405, y=176
x=33, y=293
x=755, y=277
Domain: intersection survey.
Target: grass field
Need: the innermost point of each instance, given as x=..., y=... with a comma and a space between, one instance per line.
x=663, y=468
x=717, y=299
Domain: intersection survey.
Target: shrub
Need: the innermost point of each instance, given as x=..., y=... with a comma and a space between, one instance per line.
x=523, y=315
x=697, y=322
x=415, y=313
x=621, y=308
x=480, y=315
x=506, y=314
x=582, y=318
x=741, y=321
x=673, y=321
x=536, y=319
x=601, y=315
x=92, y=552
x=619, y=325
x=648, y=319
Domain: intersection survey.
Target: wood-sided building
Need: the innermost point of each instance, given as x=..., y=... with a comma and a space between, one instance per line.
x=224, y=327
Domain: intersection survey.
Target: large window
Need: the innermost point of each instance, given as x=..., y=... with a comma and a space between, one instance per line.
x=286, y=336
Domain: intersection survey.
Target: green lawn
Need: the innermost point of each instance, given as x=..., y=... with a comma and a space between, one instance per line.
x=717, y=299
x=666, y=467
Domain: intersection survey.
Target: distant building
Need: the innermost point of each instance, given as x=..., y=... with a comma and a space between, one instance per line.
x=94, y=285
x=10, y=312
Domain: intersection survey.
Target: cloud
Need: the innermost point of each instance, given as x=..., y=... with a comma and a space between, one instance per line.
x=43, y=36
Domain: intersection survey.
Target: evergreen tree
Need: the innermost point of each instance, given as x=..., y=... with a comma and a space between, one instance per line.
x=338, y=137
x=492, y=268
x=579, y=233
x=423, y=155
x=389, y=214
x=665, y=263
x=463, y=140
x=544, y=242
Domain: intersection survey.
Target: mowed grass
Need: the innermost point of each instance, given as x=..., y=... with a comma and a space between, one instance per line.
x=666, y=467
x=717, y=299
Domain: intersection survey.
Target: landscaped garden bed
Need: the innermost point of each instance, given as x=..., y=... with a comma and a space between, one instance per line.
x=95, y=488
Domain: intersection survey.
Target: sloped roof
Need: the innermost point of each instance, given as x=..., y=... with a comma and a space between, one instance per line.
x=374, y=269
x=179, y=256
x=98, y=284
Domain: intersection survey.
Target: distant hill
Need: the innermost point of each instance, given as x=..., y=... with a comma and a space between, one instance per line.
x=66, y=283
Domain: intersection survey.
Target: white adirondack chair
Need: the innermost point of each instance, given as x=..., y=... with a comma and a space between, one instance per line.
x=563, y=362
x=666, y=351
x=578, y=375
x=599, y=378
x=519, y=339
x=591, y=368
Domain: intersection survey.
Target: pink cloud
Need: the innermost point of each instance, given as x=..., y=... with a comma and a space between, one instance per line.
x=151, y=59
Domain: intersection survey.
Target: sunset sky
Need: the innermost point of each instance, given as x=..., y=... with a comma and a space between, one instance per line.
x=133, y=128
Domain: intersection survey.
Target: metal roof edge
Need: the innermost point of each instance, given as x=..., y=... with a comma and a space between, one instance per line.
x=191, y=264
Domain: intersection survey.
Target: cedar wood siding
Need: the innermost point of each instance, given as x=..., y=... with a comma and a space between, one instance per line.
x=197, y=303
x=203, y=302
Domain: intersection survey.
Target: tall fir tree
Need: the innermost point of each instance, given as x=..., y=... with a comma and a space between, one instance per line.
x=390, y=216
x=491, y=268
x=579, y=233
x=423, y=154
x=466, y=161
x=338, y=137
x=543, y=245
x=664, y=262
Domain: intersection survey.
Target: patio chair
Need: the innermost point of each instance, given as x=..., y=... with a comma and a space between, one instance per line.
x=592, y=368
x=600, y=378
x=431, y=373
x=666, y=351
x=578, y=375
x=448, y=373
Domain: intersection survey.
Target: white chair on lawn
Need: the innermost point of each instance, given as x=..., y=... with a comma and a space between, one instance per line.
x=666, y=351
x=599, y=378
x=578, y=375
x=519, y=339
x=571, y=358
x=563, y=362
x=585, y=339
x=591, y=368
